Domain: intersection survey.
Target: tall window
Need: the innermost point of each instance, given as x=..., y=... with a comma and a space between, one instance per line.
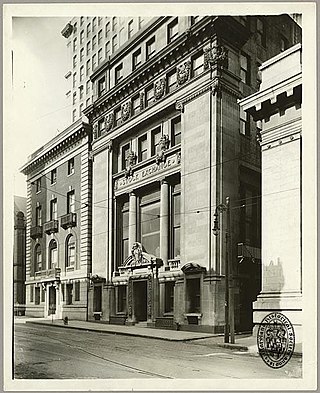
x=94, y=24
x=169, y=296
x=53, y=209
x=151, y=47
x=74, y=61
x=155, y=138
x=245, y=68
x=193, y=295
x=81, y=73
x=75, y=44
x=197, y=64
x=37, y=258
x=37, y=295
x=261, y=30
x=88, y=67
x=31, y=293
x=122, y=298
x=88, y=47
x=38, y=185
x=94, y=42
x=136, y=104
x=38, y=216
x=149, y=95
x=176, y=131
x=118, y=73
x=107, y=49
x=53, y=176
x=71, y=202
x=130, y=29
x=99, y=37
x=74, y=79
x=250, y=215
x=81, y=54
x=173, y=30
x=175, y=220
x=99, y=56
x=117, y=117
x=81, y=92
x=125, y=231
x=94, y=61
x=101, y=127
x=97, y=299
x=150, y=222
x=81, y=37
x=142, y=148
x=140, y=22
x=74, y=98
x=107, y=29
x=244, y=122
x=114, y=23
x=71, y=166
x=70, y=251
x=53, y=254
x=74, y=115
x=101, y=86
x=88, y=29
x=125, y=150
x=136, y=59
x=114, y=43
x=171, y=80
x=80, y=110
x=77, y=291
x=69, y=290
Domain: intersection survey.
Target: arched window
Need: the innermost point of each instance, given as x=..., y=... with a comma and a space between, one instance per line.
x=53, y=254
x=37, y=258
x=70, y=251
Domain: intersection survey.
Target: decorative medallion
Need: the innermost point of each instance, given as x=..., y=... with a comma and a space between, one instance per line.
x=159, y=88
x=183, y=72
x=179, y=106
x=125, y=110
x=163, y=146
x=141, y=100
x=95, y=131
x=109, y=121
x=109, y=145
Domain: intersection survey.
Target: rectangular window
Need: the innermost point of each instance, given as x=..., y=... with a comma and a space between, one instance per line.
x=38, y=185
x=122, y=298
x=114, y=43
x=71, y=253
x=173, y=30
x=80, y=110
x=37, y=295
x=69, y=289
x=176, y=131
x=130, y=29
x=261, y=30
x=117, y=116
x=81, y=37
x=245, y=68
x=38, y=216
x=88, y=102
x=107, y=29
x=142, y=148
x=74, y=98
x=101, y=124
x=74, y=61
x=31, y=293
x=81, y=20
x=125, y=231
x=107, y=49
x=53, y=209
x=97, y=299
x=195, y=19
x=74, y=80
x=175, y=220
x=81, y=54
x=71, y=166
x=150, y=47
x=114, y=23
x=94, y=62
x=81, y=92
x=150, y=223
x=74, y=115
x=101, y=86
x=88, y=67
x=99, y=20
x=71, y=208
x=136, y=59
x=75, y=44
x=197, y=64
x=88, y=48
x=244, y=122
x=88, y=87
x=77, y=291
x=169, y=297
x=94, y=42
x=155, y=138
x=81, y=73
x=53, y=176
x=118, y=73
x=94, y=24
x=88, y=29
x=99, y=37
x=99, y=56
x=136, y=104
x=125, y=150
x=193, y=295
x=43, y=295
x=149, y=95
x=140, y=22
x=171, y=81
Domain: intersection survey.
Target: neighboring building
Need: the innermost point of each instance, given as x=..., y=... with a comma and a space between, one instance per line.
x=58, y=236
x=170, y=144
x=91, y=42
x=278, y=106
x=19, y=255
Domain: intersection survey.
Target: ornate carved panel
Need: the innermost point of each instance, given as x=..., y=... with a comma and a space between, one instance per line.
x=150, y=297
x=163, y=146
x=109, y=121
x=217, y=55
x=130, y=297
x=183, y=72
x=141, y=100
x=159, y=88
x=125, y=110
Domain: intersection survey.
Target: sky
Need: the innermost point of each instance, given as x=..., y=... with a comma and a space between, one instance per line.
x=40, y=108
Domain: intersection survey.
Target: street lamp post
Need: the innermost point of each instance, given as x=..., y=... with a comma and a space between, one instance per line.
x=229, y=307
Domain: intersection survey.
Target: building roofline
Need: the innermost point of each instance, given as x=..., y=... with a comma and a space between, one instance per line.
x=280, y=56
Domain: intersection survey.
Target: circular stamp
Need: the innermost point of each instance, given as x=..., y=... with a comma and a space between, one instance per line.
x=275, y=340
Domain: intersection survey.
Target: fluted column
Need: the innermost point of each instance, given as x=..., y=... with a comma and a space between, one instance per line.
x=164, y=222
x=132, y=219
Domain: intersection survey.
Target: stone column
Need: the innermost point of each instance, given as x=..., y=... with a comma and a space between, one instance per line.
x=132, y=219
x=164, y=222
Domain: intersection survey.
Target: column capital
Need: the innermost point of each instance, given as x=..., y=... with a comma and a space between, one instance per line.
x=132, y=193
x=163, y=180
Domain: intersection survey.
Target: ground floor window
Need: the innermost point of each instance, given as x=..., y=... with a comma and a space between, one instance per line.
x=150, y=222
x=43, y=294
x=193, y=295
x=69, y=290
x=77, y=291
x=169, y=297
x=37, y=295
x=31, y=293
x=97, y=299
x=122, y=298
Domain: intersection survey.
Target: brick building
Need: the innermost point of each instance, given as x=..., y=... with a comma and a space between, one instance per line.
x=58, y=234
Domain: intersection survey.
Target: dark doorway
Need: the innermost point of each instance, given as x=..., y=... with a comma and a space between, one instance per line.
x=52, y=300
x=140, y=300
x=97, y=299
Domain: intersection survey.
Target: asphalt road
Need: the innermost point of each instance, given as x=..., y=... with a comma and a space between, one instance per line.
x=51, y=352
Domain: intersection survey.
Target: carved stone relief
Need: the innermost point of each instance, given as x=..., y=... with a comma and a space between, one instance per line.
x=130, y=162
x=149, y=305
x=141, y=100
x=109, y=121
x=130, y=290
x=125, y=110
x=183, y=72
x=217, y=55
x=163, y=146
x=159, y=88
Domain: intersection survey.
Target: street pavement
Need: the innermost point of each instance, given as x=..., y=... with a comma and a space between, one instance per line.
x=50, y=352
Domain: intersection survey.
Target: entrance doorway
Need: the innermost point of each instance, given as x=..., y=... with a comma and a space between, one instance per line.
x=140, y=300
x=52, y=300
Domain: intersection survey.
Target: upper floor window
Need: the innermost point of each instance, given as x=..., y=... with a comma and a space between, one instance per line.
x=99, y=56
x=130, y=29
x=261, y=30
x=195, y=19
x=197, y=64
x=124, y=230
x=140, y=22
x=94, y=24
x=99, y=20
x=244, y=122
x=155, y=138
x=245, y=68
x=176, y=131
x=125, y=150
x=70, y=251
x=101, y=126
x=173, y=30
x=114, y=43
x=81, y=20
x=175, y=221
x=81, y=92
x=283, y=44
x=53, y=177
x=38, y=216
x=136, y=104
x=74, y=61
x=74, y=98
x=71, y=202
x=149, y=95
x=80, y=110
x=88, y=47
x=142, y=148
x=74, y=79
x=99, y=37
x=150, y=47
x=81, y=54
x=94, y=61
x=71, y=166
x=81, y=73
x=81, y=37
x=114, y=23
x=117, y=116
x=38, y=185
x=74, y=115
x=38, y=258
x=107, y=49
x=171, y=80
x=107, y=29
x=94, y=42
x=53, y=209
x=118, y=73
x=75, y=46
x=101, y=86
x=136, y=59
x=88, y=67
x=88, y=29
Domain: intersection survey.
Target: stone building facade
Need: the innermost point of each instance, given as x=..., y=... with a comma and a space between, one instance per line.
x=170, y=144
x=278, y=106
x=58, y=234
